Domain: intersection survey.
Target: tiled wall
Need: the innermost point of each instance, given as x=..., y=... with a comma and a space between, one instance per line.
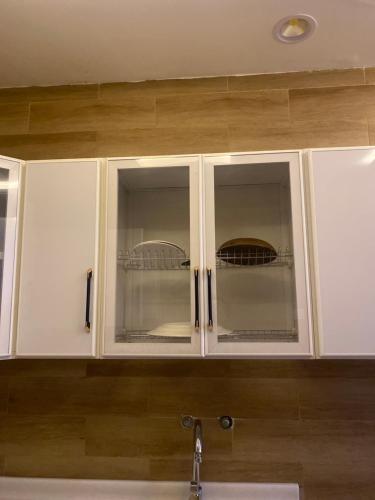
x=306, y=421
x=262, y=112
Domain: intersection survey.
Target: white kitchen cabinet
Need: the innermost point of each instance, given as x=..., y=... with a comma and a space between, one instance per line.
x=168, y=289
x=342, y=213
x=257, y=297
x=9, y=200
x=153, y=258
x=59, y=259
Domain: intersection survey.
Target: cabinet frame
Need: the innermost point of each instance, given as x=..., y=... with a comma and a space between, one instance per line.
x=96, y=280
x=300, y=244
x=9, y=295
x=316, y=300
x=193, y=162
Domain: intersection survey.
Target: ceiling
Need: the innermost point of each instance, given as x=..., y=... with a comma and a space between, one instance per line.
x=50, y=42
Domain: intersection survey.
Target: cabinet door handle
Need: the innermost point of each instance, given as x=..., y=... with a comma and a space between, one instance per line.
x=209, y=293
x=196, y=296
x=88, y=300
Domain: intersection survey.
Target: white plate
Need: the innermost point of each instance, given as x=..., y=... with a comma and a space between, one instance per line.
x=172, y=330
x=158, y=247
x=180, y=330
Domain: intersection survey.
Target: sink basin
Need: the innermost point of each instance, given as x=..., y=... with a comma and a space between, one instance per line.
x=13, y=488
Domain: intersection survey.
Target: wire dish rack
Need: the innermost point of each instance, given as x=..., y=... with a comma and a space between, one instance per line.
x=259, y=336
x=264, y=336
x=144, y=337
x=160, y=261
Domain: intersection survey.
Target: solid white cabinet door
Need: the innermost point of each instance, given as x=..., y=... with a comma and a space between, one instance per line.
x=9, y=182
x=59, y=247
x=343, y=235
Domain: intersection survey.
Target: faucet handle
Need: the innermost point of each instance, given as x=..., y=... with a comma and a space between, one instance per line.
x=187, y=421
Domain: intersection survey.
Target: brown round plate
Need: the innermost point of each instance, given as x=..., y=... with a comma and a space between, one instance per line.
x=247, y=252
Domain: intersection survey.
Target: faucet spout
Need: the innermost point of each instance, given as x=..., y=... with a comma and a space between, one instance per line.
x=195, y=487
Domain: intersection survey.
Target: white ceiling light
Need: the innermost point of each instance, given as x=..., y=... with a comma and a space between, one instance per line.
x=293, y=29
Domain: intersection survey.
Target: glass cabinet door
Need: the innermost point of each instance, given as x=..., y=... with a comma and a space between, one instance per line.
x=255, y=269
x=9, y=178
x=152, y=305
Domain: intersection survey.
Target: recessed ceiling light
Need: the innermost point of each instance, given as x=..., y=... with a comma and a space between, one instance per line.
x=293, y=29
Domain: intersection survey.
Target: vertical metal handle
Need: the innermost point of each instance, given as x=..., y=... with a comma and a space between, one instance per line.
x=196, y=295
x=209, y=293
x=88, y=300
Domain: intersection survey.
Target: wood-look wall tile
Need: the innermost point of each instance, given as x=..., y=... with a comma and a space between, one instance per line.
x=170, y=469
x=249, y=471
x=77, y=396
x=227, y=470
x=371, y=131
x=63, y=116
x=151, y=437
x=78, y=467
x=4, y=393
x=339, y=492
x=163, y=87
x=370, y=75
x=338, y=480
x=43, y=368
x=40, y=435
x=47, y=146
x=235, y=368
x=253, y=398
x=13, y=118
x=310, y=368
x=346, y=399
x=329, y=133
x=297, y=80
x=299, y=135
x=260, y=138
x=159, y=368
x=52, y=93
x=232, y=108
x=334, y=103
x=91, y=114
x=337, y=441
x=159, y=141
x=267, y=440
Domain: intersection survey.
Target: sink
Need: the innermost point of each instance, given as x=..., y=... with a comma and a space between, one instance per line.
x=13, y=488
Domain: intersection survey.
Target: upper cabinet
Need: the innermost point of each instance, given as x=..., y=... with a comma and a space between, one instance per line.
x=256, y=286
x=342, y=214
x=153, y=258
x=9, y=182
x=206, y=255
x=59, y=259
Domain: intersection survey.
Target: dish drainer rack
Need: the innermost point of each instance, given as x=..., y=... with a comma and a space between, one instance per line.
x=154, y=261
x=144, y=337
x=259, y=336
x=159, y=261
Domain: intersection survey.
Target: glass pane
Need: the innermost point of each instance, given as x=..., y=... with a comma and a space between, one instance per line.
x=256, y=299
x=4, y=177
x=153, y=278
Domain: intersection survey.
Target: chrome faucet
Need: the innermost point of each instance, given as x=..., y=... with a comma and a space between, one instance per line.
x=188, y=422
x=195, y=486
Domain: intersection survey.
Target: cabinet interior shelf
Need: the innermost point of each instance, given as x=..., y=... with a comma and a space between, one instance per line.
x=239, y=260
